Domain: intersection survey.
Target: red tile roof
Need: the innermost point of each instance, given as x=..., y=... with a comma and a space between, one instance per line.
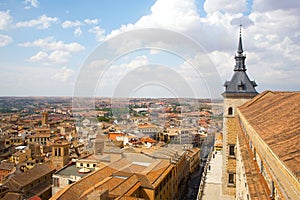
x=275, y=116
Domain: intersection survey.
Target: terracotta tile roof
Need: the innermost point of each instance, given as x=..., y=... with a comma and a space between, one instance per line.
x=7, y=166
x=74, y=191
x=276, y=118
x=255, y=182
x=125, y=186
x=27, y=177
x=12, y=196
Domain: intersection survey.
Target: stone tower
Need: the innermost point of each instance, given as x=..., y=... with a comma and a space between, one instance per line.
x=44, y=118
x=237, y=91
x=60, y=154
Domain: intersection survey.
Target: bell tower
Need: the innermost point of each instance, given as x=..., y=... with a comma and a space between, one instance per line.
x=238, y=90
x=45, y=118
x=60, y=154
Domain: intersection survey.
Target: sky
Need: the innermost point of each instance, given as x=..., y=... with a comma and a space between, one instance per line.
x=162, y=48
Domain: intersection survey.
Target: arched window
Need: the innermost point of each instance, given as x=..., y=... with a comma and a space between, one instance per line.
x=230, y=111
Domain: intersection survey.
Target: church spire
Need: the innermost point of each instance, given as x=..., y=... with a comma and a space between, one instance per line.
x=240, y=85
x=240, y=47
x=240, y=57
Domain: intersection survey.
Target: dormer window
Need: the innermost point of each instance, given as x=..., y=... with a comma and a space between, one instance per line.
x=241, y=86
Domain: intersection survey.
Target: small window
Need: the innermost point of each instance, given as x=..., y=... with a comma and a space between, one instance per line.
x=230, y=111
x=231, y=150
x=241, y=87
x=231, y=178
x=88, y=165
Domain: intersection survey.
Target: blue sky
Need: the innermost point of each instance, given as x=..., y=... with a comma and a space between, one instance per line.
x=44, y=44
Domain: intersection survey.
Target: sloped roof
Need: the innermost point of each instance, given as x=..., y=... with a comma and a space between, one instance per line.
x=20, y=180
x=275, y=116
x=240, y=78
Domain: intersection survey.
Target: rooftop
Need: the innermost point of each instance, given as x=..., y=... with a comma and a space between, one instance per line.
x=275, y=116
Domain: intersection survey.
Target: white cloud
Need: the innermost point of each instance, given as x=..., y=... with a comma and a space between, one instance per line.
x=69, y=24
x=5, y=40
x=78, y=32
x=42, y=22
x=40, y=56
x=268, y=5
x=52, y=52
x=59, y=57
x=63, y=74
x=56, y=57
x=99, y=32
x=49, y=44
x=91, y=21
x=5, y=19
x=31, y=3
x=226, y=6
x=271, y=35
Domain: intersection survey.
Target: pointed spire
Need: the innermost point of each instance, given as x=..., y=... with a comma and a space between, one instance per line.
x=240, y=46
x=240, y=57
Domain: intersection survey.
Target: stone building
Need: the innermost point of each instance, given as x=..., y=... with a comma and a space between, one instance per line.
x=268, y=153
x=44, y=118
x=60, y=154
x=34, y=182
x=238, y=90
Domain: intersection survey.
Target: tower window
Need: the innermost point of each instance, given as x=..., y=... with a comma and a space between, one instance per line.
x=230, y=111
x=231, y=150
x=230, y=178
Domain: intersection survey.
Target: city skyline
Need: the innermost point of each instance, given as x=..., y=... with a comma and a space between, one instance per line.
x=45, y=44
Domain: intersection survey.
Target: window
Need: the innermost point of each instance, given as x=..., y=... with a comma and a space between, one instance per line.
x=230, y=111
x=94, y=165
x=231, y=150
x=230, y=178
x=56, y=182
x=241, y=87
x=261, y=167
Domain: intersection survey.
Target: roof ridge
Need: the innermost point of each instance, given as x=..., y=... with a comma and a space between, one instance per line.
x=257, y=98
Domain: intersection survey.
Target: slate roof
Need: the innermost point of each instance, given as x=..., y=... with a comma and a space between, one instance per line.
x=240, y=84
x=239, y=80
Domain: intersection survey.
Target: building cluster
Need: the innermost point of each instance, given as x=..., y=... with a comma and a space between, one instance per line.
x=149, y=148
x=45, y=152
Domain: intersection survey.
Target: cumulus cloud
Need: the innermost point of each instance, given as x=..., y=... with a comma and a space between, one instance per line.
x=55, y=57
x=5, y=40
x=31, y=3
x=42, y=22
x=52, y=52
x=78, y=32
x=268, y=5
x=50, y=44
x=91, y=21
x=99, y=32
x=271, y=33
x=5, y=19
x=63, y=74
x=226, y=6
x=69, y=24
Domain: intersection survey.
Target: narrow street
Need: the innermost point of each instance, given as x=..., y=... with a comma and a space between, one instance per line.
x=194, y=181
